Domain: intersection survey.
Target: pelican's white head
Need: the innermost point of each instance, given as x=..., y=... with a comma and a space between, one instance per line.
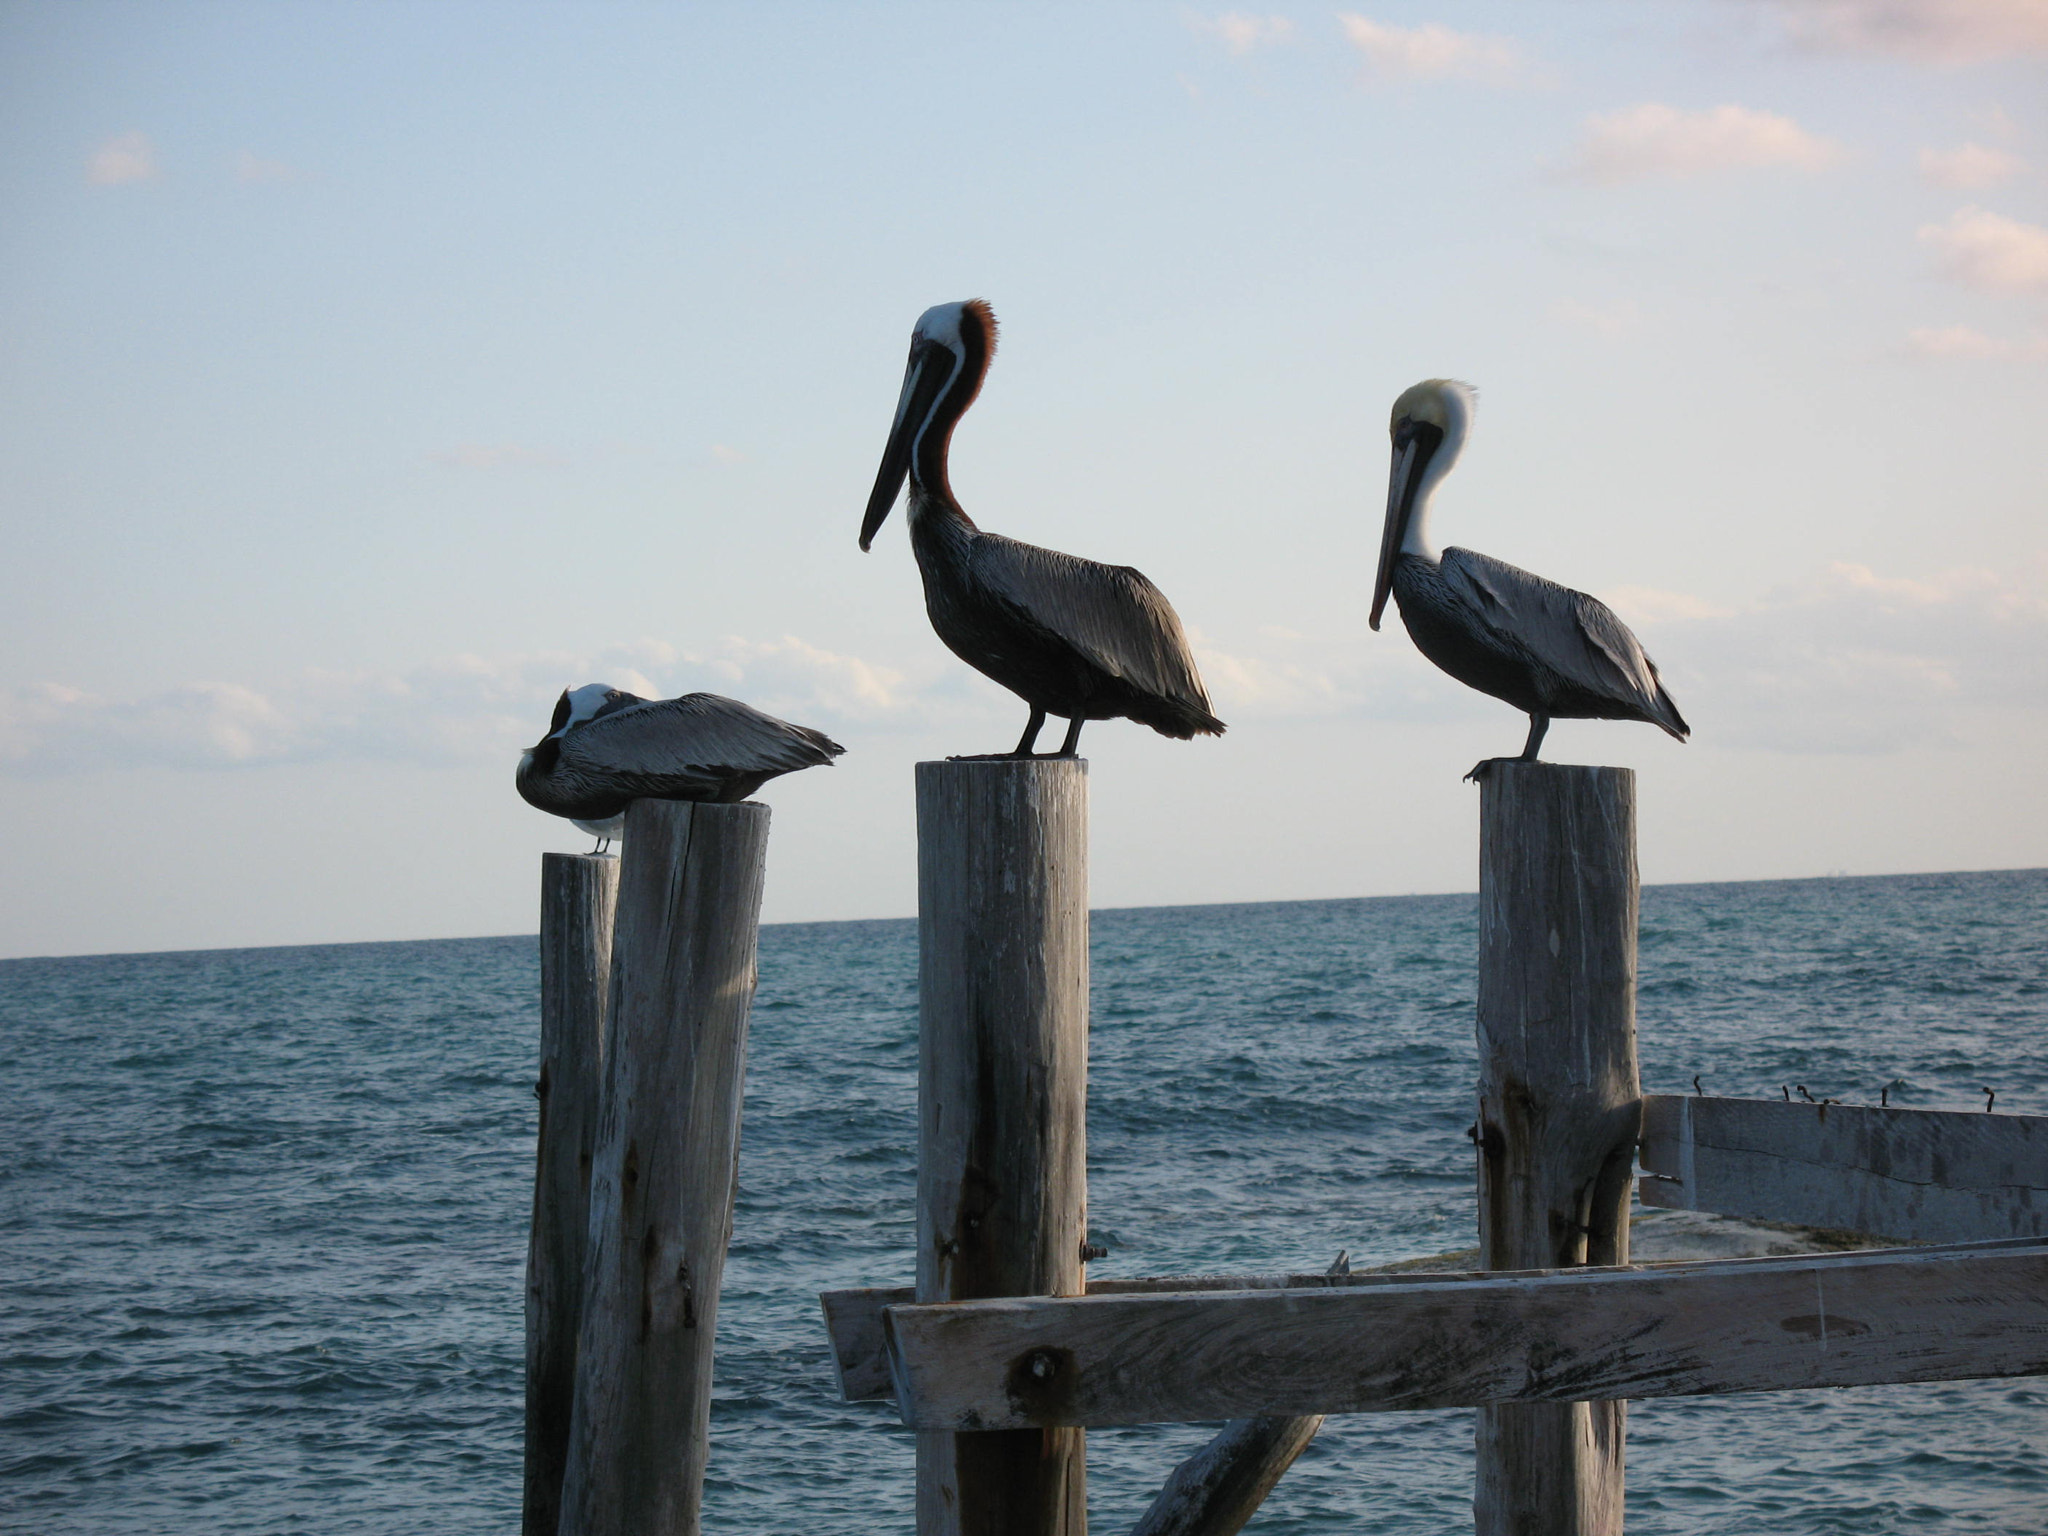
x=585, y=703
x=576, y=706
x=1443, y=403
x=579, y=706
x=1435, y=416
x=950, y=349
x=1429, y=425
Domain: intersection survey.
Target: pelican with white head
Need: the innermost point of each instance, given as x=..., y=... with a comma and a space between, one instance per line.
x=1071, y=637
x=1546, y=649
x=606, y=748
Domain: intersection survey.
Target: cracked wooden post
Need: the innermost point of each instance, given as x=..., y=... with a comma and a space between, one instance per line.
x=1002, y=1190
x=661, y=1189
x=577, y=893
x=1559, y=1105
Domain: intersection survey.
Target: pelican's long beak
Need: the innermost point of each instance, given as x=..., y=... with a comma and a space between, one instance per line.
x=1402, y=480
x=922, y=381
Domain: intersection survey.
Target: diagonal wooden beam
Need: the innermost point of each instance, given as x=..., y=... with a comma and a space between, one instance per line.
x=1216, y=1491
x=1737, y=1325
x=1914, y=1175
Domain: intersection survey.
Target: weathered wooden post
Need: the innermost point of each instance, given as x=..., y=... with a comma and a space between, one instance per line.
x=577, y=894
x=661, y=1188
x=1002, y=1193
x=1559, y=1105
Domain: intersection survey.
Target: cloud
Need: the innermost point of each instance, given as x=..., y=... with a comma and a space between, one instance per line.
x=792, y=677
x=1989, y=251
x=1654, y=605
x=1242, y=33
x=1961, y=342
x=726, y=454
x=1972, y=166
x=1255, y=687
x=1656, y=140
x=1851, y=661
x=1429, y=52
x=1847, y=660
x=1924, y=31
x=457, y=709
x=253, y=168
x=201, y=724
x=123, y=158
x=494, y=456
x=1616, y=319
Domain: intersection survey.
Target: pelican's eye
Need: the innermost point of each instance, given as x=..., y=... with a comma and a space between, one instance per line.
x=1426, y=436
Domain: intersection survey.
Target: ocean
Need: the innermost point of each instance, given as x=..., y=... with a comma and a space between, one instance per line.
x=263, y=1212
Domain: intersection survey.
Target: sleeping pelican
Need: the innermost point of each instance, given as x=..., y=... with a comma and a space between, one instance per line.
x=1556, y=653
x=1070, y=637
x=606, y=748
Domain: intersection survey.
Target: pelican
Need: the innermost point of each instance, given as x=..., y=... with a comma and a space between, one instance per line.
x=1547, y=650
x=606, y=748
x=1070, y=637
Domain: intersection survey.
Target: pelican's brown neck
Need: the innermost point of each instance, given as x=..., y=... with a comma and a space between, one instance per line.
x=965, y=350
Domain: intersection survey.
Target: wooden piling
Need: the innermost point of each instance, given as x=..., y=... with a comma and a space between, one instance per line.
x=661, y=1189
x=1559, y=1105
x=1002, y=1103
x=577, y=895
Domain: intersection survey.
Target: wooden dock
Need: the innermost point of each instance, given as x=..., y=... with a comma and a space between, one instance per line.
x=1003, y=1354
x=1557, y=1330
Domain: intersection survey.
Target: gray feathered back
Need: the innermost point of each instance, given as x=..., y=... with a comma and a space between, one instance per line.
x=1573, y=633
x=700, y=731
x=1111, y=613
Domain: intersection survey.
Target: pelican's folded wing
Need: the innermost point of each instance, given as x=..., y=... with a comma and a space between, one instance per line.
x=699, y=732
x=1110, y=613
x=1574, y=634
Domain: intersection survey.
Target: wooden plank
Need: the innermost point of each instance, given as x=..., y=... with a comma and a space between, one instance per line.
x=1559, y=1106
x=661, y=1188
x=1913, y=1175
x=860, y=1350
x=1216, y=1491
x=578, y=892
x=1730, y=1325
x=1002, y=1176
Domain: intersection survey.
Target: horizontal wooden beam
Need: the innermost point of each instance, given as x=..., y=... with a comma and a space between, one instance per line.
x=859, y=1350
x=1912, y=1175
x=1733, y=1325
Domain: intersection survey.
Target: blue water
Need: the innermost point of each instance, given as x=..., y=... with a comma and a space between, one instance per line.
x=262, y=1212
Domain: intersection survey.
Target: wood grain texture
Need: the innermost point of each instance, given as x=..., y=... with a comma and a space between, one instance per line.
x=860, y=1348
x=1913, y=1175
x=1728, y=1325
x=1002, y=1101
x=577, y=896
x=662, y=1185
x=1558, y=1105
x=1216, y=1491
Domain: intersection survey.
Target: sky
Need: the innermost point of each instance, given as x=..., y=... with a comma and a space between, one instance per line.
x=368, y=374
